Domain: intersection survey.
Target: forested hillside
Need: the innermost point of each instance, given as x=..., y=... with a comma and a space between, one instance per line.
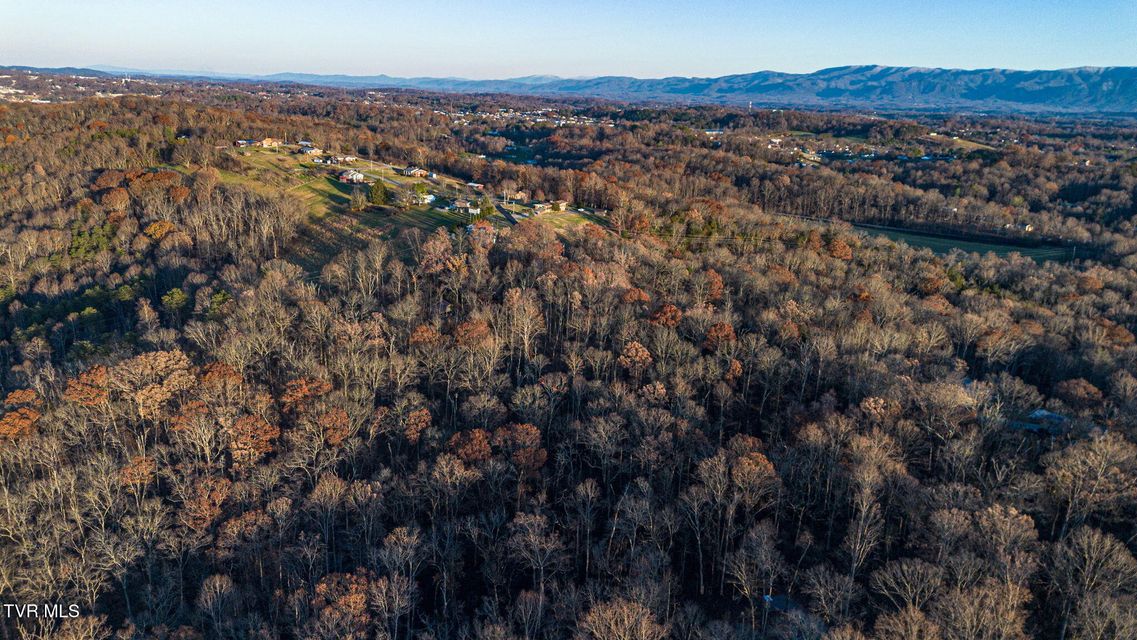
x=693, y=416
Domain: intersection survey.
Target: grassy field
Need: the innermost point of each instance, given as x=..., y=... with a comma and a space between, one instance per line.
x=333, y=227
x=946, y=245
x=957, y=143
x=389, y=220
x=563, y=220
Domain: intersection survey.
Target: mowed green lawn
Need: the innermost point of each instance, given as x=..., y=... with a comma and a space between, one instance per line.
x=946, y=245
x=390, y=220
x=958, y=143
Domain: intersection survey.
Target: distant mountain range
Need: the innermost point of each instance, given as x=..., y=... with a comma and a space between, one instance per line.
x=1078, y=90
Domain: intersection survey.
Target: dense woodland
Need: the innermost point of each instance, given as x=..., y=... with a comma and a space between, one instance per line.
x=700, y=420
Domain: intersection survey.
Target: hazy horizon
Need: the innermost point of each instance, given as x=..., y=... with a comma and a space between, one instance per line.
x=584, y=39
x=520, y=76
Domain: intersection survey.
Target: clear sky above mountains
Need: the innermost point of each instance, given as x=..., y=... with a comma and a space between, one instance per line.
x=569, y=38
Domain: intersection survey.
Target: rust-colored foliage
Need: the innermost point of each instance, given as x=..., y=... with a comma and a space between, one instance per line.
x=813, y=240
x=160, y=229
x=336, y=426
x=23, y=397
x=1090, y=283
x=138, y=472
x=250, y=439
x=18, y=423
x=299, y=393
x=220, y=375
x=654, y=392
x=116, y=199
x=639, y=223
x=204, y=506
x=782, y=275
x=718, y=335
x=635, y=295
x=341, y=603
x=189, y=413
x=635, y=357
x=179, y=193
x=753, y=474
x=471, y=446
x=248, y=527
x=424, y=335
x=934, y=283
x=715, y=286
x=109, y=179
x=667, y=315
x=472, y=334
x=840, y=249
x=88, y=389
x=152, y=180
x=522, y=443
x=1117, y=335
x=789, y=331
x=1078, y=393
x=733, y=371
x=417, y=422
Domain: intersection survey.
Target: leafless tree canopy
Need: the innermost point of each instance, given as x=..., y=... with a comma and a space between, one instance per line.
x=688, y=418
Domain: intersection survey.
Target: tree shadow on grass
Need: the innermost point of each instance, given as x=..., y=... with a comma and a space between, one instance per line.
x=341, y=191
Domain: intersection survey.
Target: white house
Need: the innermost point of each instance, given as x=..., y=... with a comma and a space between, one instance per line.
x=467, y=207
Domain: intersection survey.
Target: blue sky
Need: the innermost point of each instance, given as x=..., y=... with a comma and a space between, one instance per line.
x=569, y=38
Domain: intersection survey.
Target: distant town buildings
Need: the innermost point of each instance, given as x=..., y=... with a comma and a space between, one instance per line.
x=414, y=172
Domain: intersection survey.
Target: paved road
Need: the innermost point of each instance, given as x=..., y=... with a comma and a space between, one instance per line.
x=505, y=213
